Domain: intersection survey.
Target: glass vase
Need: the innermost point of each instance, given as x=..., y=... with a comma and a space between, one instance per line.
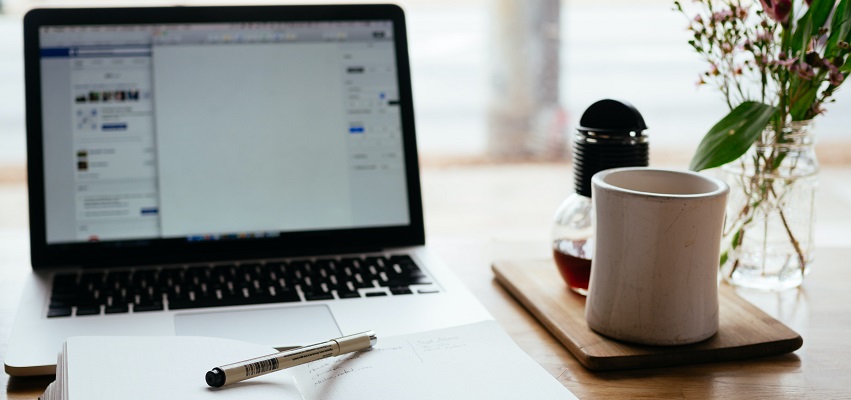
x=768, y=231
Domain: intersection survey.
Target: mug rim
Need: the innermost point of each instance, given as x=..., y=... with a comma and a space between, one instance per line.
x=721, y=188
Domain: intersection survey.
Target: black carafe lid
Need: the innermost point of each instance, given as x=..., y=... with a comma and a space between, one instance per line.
x=610, y=135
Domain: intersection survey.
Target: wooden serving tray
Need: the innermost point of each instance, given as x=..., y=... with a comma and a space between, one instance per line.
x=745, y=331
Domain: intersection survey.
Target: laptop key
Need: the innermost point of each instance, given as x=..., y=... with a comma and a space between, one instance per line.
x=184, y=304
x=400, y=290
x=285, y=295
x=118, y=279
x=377, y=261
x=59, y=304
x=87, y=301
x=121, y=297
x=376, y=294
x=328, y=265
x=184, y=301
x=267, y=299
x=64, y=296
x=361, y=282
x=88, y=310
x=144, y=307
x=117, y=309
x=351, y=263
x=313, y=296
x=345, y=294
x=54, y=312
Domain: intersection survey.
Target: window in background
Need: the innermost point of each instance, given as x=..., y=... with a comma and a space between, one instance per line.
x=638, y=51
x=12, y=150
x=460, y=60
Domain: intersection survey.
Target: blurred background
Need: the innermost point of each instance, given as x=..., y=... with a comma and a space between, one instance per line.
x=506, y=80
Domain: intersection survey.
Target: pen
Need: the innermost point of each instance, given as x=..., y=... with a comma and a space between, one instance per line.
x=240, y=371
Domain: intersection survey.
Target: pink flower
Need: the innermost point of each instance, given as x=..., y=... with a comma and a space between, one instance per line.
x=722, y=16
x=777, y=10
x=804, y=71
x=836, y=78
x=787, y=63
x=834, y=75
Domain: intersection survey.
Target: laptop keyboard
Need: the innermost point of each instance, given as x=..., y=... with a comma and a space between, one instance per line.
x=176, y=288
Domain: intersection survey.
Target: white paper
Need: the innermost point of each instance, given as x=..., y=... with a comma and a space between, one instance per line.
x=465, y=362
x=165, y=368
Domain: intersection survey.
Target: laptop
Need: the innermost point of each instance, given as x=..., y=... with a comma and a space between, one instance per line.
x=243, y=172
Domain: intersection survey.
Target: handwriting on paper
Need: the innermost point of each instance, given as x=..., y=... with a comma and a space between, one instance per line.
x=326, y=370
x=440, y=343
x=323, y=371
x=338, y=373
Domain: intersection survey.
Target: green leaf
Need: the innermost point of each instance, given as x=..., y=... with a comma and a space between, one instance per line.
x=840, y=28
x=735, y=242
x=810, y=23
x=802, y=41
x=803, y=104
x=732, y=136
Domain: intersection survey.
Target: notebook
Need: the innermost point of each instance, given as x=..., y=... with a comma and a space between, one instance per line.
x=240, y=172
x=465, y=362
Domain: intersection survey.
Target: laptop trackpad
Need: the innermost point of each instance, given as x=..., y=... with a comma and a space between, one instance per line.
x=275, y=327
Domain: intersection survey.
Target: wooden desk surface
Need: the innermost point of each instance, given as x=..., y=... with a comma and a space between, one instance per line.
x=475, y=215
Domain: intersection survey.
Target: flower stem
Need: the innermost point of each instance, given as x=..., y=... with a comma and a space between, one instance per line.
x=802, y=260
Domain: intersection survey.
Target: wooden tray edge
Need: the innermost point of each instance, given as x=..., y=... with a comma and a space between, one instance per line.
x=527, y=304
x=755, y=351
x=596, y=363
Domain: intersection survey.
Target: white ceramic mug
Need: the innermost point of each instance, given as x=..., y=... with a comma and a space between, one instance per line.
x=654, y=273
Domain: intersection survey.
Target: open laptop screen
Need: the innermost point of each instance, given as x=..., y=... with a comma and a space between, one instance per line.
x=212, y=131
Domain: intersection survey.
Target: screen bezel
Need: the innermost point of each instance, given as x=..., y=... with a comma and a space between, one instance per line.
x=180, y=250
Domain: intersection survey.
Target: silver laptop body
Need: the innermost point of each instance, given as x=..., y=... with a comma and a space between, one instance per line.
x=242, y=172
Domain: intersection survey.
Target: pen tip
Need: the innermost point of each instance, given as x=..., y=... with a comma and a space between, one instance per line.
x=215, y=377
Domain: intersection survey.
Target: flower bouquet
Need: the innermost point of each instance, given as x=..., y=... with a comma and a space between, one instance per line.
x=776, y=64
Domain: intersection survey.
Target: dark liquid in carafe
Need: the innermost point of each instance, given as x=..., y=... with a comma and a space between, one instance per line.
x=575, y=271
